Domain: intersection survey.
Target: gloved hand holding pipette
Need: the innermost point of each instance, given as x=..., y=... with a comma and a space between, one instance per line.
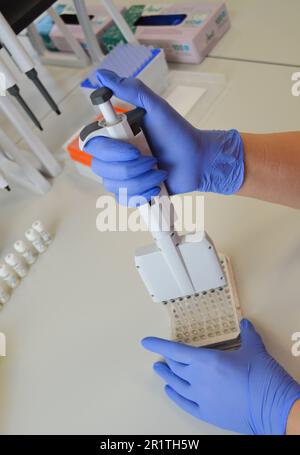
x=189, y=159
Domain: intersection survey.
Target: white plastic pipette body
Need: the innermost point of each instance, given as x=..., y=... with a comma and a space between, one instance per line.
x=10, y=80
x=165, y=239
x=14, y=46
x=28, y=169
x=50, y=164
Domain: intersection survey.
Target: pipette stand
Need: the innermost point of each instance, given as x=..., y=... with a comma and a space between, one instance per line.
x=78, y=58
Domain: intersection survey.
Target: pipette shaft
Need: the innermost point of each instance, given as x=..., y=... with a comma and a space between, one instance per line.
x=13, y=89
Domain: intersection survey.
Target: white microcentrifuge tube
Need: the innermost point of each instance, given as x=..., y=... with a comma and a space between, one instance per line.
x=36, y=240
x=26, y=252
x=39, y=227
x=9, y=276
x=17, y=263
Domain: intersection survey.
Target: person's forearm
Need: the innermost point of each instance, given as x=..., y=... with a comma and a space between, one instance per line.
x=293, y=423
x=272, y=167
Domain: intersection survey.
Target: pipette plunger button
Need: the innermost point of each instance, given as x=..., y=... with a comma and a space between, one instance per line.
x=101, y=95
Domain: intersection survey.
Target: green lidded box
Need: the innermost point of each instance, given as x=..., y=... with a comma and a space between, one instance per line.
x=112, y=36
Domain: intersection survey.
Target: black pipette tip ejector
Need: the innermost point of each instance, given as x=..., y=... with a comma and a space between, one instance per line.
x=33, y=75
x=15, y=92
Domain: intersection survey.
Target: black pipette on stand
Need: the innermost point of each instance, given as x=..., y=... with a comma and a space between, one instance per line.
x=23, y=60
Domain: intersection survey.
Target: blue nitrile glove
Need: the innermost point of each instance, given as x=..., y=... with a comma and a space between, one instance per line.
x=188, y=158
x=245, y=390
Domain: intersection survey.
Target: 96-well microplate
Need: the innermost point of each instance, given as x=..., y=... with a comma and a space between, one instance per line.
x=209, y=318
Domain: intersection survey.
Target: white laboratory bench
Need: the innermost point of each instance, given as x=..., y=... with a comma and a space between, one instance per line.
x=265, y=31
x=74, y=363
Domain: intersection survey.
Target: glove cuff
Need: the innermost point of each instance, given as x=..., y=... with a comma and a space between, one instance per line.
x=227, y=168
x=285, y=414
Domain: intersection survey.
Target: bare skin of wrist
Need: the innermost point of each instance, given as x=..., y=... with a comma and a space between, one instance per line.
x=272, y=167
x=293, y=423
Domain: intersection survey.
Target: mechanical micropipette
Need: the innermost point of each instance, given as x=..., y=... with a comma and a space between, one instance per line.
x=13, y=90
x=51, y=166
x=23, y=59
x=182, y=272
x=171, y=270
